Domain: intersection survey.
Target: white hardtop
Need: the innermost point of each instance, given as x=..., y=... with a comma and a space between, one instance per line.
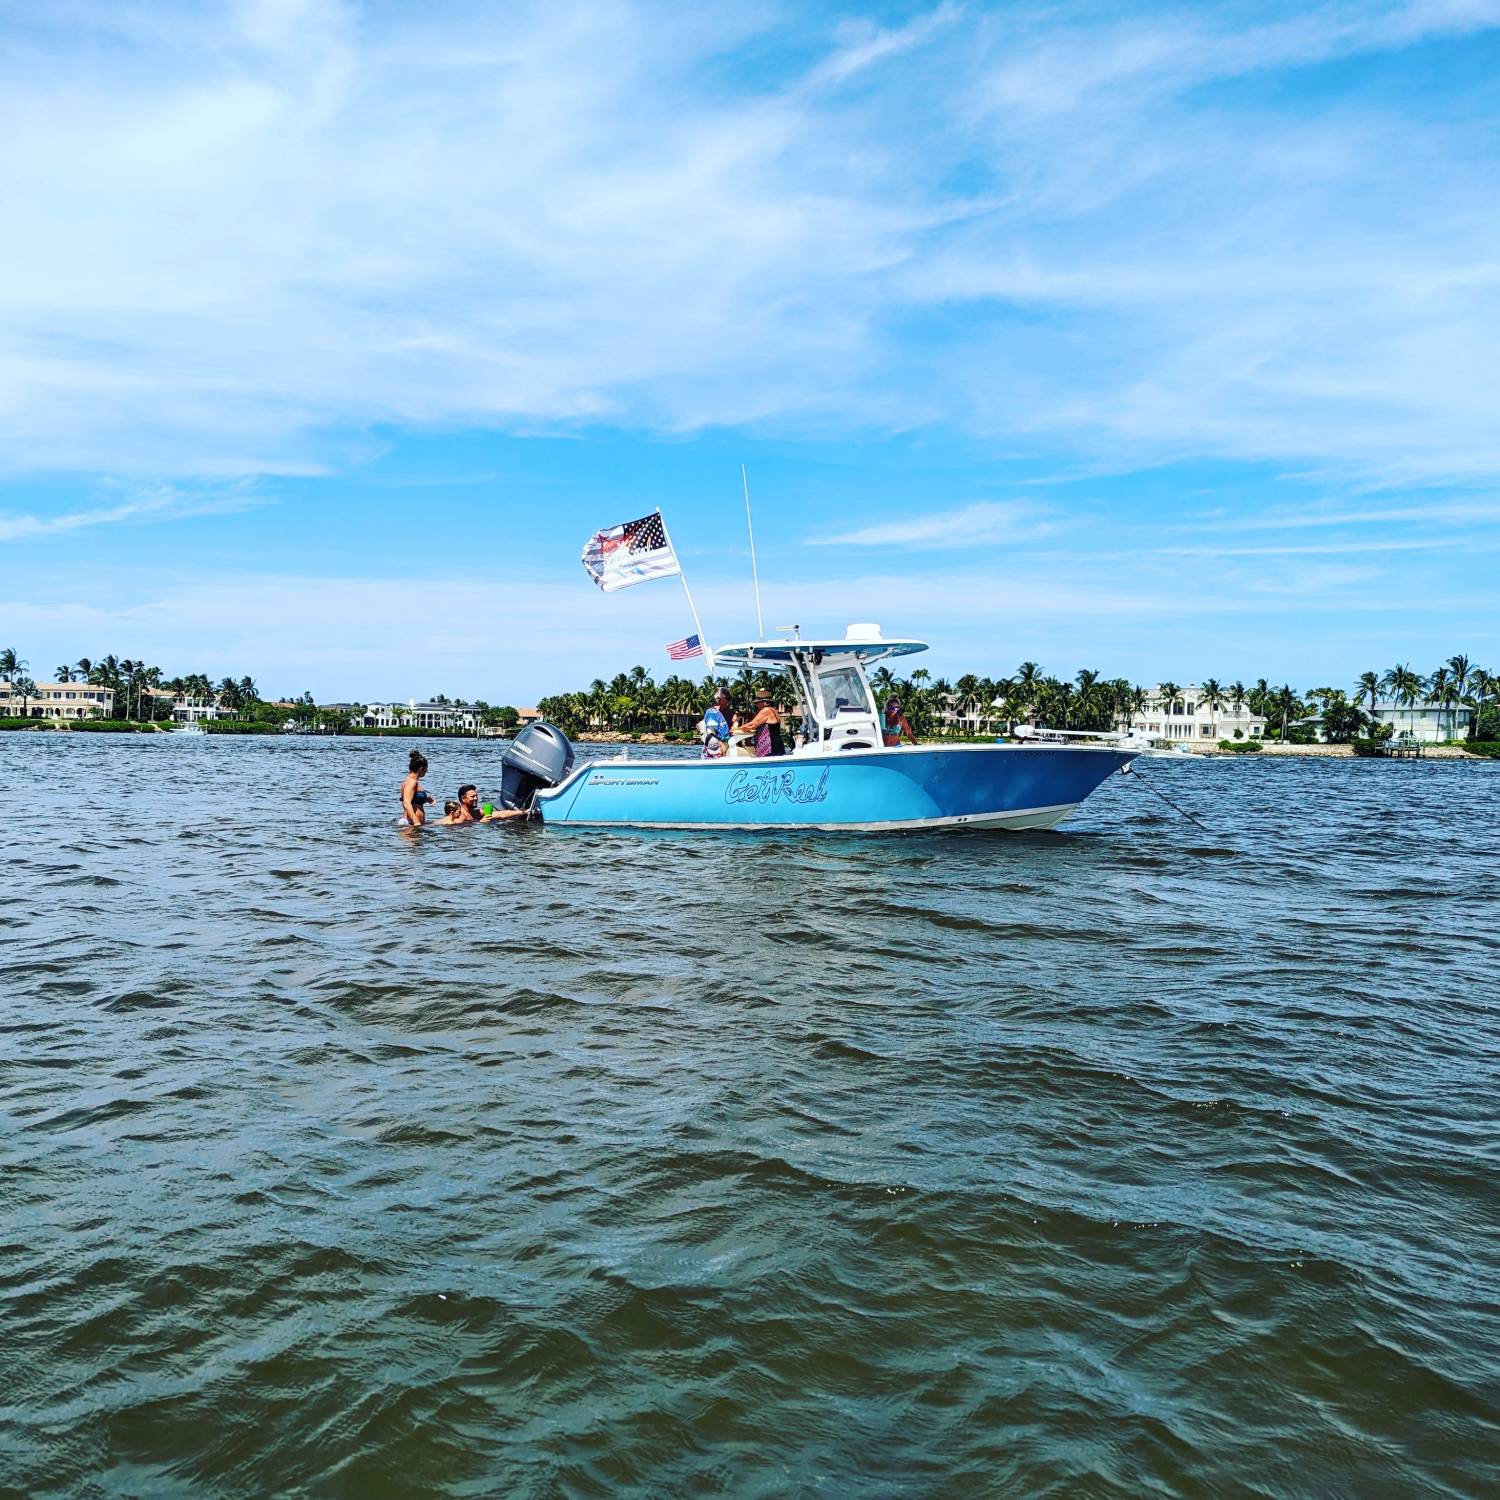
x=862, y=641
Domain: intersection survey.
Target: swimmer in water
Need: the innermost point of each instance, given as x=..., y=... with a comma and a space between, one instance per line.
x=469, y=810
x=413, y=799
x=451, y=813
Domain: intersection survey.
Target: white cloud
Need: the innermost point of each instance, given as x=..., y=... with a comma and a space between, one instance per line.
x=990, y=521
x=248, y=232
x=162, y=503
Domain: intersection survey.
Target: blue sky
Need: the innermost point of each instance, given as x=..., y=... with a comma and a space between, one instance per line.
x=1158, y=340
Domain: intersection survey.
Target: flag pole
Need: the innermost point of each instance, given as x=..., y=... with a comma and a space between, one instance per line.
x=760, y=619
x=708, y=651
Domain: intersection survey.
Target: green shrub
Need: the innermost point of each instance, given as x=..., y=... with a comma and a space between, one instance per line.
x=1490, y=749
x=1240, y=747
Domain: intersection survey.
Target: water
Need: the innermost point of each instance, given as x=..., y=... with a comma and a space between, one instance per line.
x=1121, y=1160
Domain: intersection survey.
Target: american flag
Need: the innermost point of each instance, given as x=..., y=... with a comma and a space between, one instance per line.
x=636, y=552
x=688, y=646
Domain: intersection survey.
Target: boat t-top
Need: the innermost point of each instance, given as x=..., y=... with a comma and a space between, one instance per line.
x=840, y=774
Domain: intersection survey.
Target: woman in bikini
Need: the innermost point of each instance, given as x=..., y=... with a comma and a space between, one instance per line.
x=413, y=799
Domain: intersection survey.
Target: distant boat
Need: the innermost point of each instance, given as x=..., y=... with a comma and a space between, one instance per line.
x=842, y=777
x=197, y=729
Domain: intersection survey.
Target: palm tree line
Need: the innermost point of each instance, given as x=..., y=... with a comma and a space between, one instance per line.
x=134, y=684
x=633, y=702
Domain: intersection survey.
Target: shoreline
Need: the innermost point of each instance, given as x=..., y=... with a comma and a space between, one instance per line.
x=656, y=738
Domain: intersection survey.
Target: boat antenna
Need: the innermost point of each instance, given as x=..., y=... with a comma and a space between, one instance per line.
x=760, y=621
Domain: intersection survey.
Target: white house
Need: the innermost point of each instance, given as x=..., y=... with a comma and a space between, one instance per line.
x=58, y=700
x=1426, y=722
x=1189, y=718
x=442, y=718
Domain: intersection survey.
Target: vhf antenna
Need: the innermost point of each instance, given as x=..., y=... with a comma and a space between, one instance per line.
x=760, y=621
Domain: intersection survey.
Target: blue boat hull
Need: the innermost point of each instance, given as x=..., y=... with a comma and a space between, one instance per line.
x=1004, y=786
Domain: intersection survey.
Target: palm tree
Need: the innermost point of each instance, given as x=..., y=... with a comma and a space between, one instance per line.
x=1402, y=684
x=1286, y=701
x=1027, y=680
x=1139, y=698
x=1211, y=696
x=1441, y=689
x=967, y=688
x=1461, y=672
x=1171, y=696
x=1368, y=687
x=25, y=689
x=1483, y=687
x=11, y=665
x=84, y=670
x=65, y=673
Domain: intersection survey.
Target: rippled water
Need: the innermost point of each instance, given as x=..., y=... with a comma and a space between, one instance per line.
x=1121, y=1160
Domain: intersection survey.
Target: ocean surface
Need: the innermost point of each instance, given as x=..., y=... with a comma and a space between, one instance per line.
x=1124, y=1160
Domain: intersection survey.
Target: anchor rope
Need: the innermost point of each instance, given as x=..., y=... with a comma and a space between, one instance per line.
x=1130, y=770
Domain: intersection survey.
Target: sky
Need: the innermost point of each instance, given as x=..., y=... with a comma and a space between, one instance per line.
x=1158, y=340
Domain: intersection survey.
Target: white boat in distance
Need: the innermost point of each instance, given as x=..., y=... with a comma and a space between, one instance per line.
x=843, y=777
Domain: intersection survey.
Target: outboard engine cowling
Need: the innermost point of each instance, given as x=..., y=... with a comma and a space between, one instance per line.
x=540, y=755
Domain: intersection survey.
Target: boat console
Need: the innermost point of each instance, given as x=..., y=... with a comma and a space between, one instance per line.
x=839, y=711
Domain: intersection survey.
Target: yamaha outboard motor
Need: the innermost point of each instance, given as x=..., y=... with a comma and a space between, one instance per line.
x=541, y=755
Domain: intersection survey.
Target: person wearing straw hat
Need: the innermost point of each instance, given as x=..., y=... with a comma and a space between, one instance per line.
x=765, y=726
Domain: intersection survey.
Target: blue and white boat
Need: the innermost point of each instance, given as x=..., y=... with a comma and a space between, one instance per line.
x=839, y=776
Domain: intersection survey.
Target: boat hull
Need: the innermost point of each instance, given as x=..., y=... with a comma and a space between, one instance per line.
x=1007, y=786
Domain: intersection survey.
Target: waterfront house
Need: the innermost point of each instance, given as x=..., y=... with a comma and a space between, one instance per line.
x=1427, y=723
x=1188, y=719
x=440, y=718
x=190, y=710
x=58, y=700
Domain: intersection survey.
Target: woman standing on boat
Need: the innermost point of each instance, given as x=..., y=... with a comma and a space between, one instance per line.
x=894, y=725
x=765, y=726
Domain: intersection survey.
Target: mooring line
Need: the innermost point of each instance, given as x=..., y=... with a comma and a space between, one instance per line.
x=1130, y=770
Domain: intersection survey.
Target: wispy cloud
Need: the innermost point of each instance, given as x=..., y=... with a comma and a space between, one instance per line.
x=249, y=233
x=864, y=44
x=986, y=520
x=1433, y=512
x=162, y=503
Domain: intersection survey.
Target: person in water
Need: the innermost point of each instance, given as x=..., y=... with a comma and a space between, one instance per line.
x=469, y=810
x=450, y=813
x=894, y=725
x=413, y=799
x=764, y=726
x=716, y=725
